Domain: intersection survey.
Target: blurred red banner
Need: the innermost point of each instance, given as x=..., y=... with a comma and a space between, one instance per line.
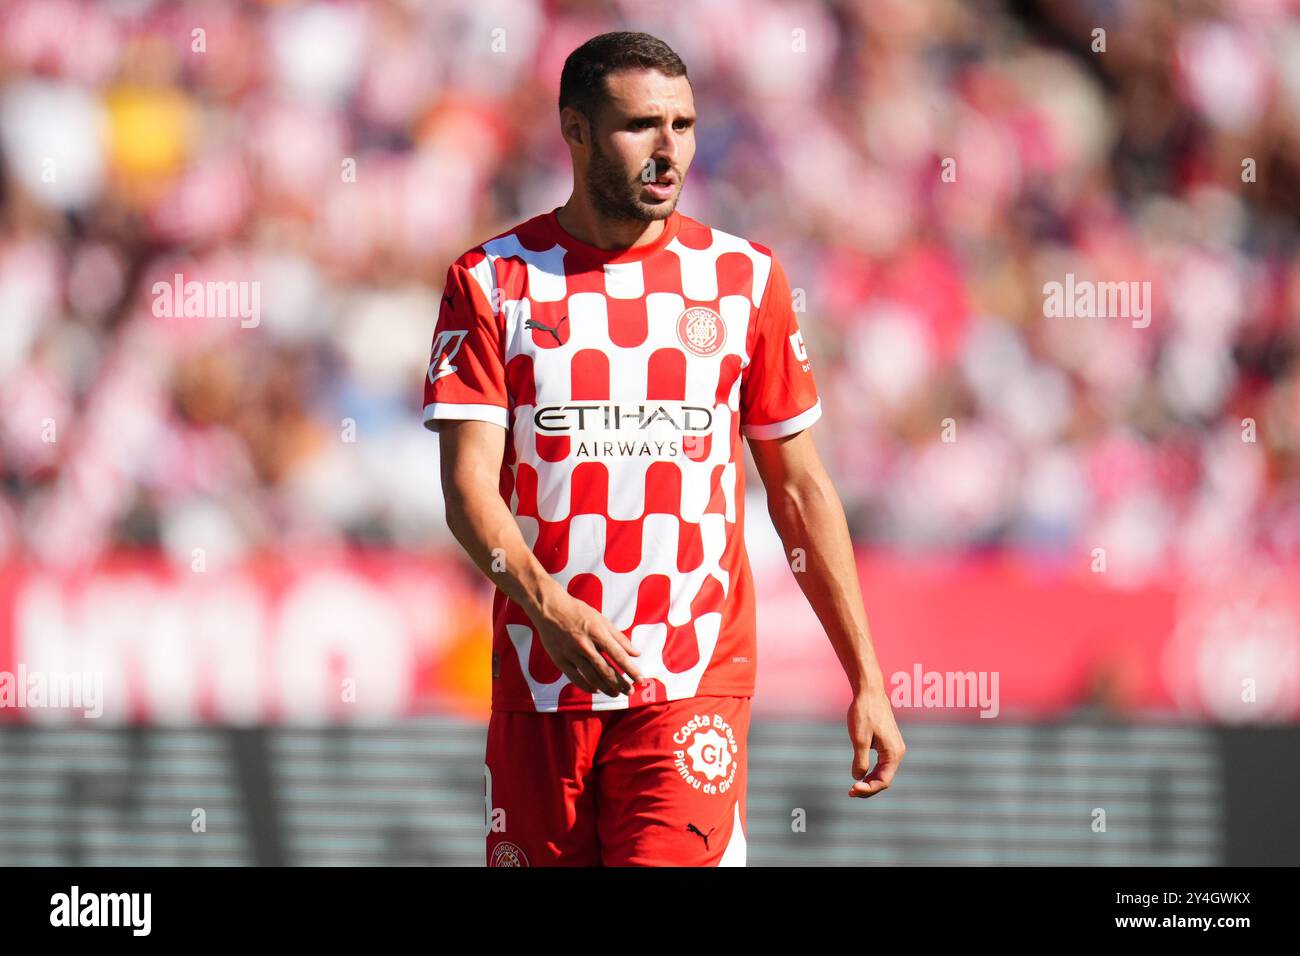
x=377, y=636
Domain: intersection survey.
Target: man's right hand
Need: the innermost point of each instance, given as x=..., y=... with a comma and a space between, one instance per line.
x=587, y=647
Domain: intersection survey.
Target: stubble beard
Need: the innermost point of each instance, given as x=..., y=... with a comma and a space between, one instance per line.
x=614, y=197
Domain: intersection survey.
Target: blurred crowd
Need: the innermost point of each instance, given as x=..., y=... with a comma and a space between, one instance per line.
x=921, y=167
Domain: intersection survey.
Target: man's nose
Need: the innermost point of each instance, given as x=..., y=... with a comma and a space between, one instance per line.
x=665, y=154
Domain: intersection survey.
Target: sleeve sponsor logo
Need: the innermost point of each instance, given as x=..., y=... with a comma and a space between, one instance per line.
x=800, y=350
x=445, y=347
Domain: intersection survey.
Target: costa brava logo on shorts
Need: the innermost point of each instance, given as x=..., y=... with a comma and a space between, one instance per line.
x=508, y=854
x=707, y=758
x=701, y=331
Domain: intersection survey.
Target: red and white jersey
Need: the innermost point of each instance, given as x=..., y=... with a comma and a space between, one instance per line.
x=625, y=380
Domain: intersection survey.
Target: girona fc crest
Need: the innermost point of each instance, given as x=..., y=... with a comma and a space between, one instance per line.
x=701, y=331
x=508, y=854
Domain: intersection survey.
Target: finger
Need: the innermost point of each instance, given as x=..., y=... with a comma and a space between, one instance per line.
x=620, y=638
x=624, y=684
x=862, y=744
x=578, y=676
x=861, y=769
x=879, y=778
x=607, y=678
x=886, y=765
x=614, y=645
x=592, y=679
x=868, y=786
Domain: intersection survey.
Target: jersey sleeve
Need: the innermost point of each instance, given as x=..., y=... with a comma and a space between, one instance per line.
x=466, y=376
x=778, y=396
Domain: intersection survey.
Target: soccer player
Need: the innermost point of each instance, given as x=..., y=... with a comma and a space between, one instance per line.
x=593, y=371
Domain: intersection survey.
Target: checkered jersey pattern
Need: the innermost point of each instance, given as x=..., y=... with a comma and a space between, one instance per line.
x=625, y=381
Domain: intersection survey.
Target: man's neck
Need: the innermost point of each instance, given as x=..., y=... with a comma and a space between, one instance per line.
x=583, y=223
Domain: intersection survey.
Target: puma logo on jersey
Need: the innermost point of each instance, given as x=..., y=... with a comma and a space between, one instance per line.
x=705, y=836
x=534, y=324
x=445, y=347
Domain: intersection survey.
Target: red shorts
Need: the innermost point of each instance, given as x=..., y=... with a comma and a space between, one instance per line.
x=657, y=785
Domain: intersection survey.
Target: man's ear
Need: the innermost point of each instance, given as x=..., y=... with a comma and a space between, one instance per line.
x=574, y=128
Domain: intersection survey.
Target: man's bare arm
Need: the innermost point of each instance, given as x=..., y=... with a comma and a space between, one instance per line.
x=581, y=640
x=808, y=515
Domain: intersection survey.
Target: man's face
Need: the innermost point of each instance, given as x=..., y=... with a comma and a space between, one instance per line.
x=642, y=143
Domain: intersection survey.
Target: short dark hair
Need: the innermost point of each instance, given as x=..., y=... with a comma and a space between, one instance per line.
x=582, y=81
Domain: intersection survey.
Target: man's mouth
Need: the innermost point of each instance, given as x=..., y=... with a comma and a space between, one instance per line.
x=662, y=188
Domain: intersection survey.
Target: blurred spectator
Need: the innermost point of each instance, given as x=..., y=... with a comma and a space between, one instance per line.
x=923, y=167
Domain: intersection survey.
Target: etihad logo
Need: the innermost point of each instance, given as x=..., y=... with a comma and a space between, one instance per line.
x=659, y=430
x=668, y=416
